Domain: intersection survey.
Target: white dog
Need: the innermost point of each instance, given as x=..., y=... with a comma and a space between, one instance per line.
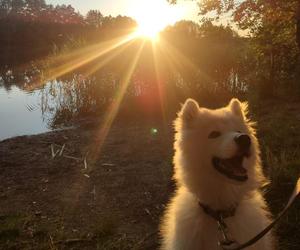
x=218, y=172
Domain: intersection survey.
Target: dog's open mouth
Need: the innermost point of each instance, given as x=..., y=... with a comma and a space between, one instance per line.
x=232, y=168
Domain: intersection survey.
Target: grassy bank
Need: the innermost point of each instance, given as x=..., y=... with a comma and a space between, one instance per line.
x=278, y=130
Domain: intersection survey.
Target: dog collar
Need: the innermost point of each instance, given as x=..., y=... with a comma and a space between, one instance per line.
x=218, y=215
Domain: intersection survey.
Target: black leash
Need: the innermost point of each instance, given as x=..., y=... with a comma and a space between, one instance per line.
x=229, y=244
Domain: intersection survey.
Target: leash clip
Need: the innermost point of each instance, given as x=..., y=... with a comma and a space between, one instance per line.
x=226, y=241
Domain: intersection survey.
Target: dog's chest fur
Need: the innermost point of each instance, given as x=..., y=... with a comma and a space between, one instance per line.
x=193, y=229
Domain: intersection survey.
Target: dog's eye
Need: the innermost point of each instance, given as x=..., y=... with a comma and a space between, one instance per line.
x=214, y=134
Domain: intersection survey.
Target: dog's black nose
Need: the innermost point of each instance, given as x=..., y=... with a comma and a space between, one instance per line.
x=243, y=141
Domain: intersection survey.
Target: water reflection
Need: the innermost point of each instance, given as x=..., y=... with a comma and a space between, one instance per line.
x=76, y=96
x=27, y=108
x=20, y=112
x=29, y=105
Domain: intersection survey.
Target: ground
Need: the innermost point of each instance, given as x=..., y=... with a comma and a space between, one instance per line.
x=75, y=201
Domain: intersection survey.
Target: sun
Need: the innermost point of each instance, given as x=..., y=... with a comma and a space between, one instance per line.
x=148, y=31
x=153, y=16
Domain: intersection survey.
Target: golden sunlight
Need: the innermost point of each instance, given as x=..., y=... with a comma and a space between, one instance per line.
x=153, y=16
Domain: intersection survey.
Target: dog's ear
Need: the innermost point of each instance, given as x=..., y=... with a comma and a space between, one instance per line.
x=189, y=110
x=239, y=108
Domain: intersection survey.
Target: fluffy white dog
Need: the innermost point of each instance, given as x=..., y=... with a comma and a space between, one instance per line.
x=218, y=172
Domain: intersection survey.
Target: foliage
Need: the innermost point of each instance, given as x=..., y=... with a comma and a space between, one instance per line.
x=204, y=46
x=38, y=10
x=273, y=26
x=29, y=29
x=95, y=18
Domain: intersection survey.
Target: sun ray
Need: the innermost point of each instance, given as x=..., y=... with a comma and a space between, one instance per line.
x=177, y=57
x=113, y=108
x=178, y=61
x=159, y=83
x=88, y=55
x=63, y=64
x=106, y=60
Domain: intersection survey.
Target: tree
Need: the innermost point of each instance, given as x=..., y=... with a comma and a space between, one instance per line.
x=94, y=18
x=65, y=14
x=298, y=29
x=5, y=8
x=274, y=28
x=17, y=4
x=16, y=7
x=36, y=4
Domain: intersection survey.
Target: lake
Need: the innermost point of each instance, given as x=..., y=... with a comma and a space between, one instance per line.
x=30, y=105
x=21, y=112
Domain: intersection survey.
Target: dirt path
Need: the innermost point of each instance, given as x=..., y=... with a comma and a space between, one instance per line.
x=114, y=202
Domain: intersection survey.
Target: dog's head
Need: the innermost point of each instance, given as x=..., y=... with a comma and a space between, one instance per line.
x=216, y=146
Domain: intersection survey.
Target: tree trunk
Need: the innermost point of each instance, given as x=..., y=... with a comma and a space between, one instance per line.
x=298, y=25
x=298, y=42
x=271, y=82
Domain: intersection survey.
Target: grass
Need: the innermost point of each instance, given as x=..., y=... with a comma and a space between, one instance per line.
x=10, y=226
x=105, y=228
x=278, y=132
x=11, y=229
x=18, y=228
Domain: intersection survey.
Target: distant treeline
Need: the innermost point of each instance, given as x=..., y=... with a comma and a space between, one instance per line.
x=31, y=29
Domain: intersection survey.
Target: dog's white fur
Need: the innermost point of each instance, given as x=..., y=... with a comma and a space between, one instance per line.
x=185, y=225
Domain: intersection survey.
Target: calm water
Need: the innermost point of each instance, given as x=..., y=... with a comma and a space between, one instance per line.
x=27, y=108
x=21, y=113
x=58, y=104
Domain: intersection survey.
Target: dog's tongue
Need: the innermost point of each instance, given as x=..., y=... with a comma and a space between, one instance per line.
x=235, y=165
x=239, y=170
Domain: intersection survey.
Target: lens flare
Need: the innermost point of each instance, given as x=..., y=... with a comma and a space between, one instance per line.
x=154, y=131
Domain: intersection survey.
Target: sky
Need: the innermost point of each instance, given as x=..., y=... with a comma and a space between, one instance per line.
x=188, y=9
